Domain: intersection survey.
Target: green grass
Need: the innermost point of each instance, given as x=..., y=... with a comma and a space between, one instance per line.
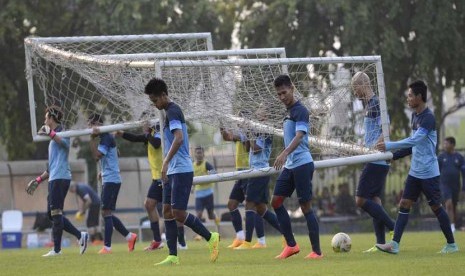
x=417, y=257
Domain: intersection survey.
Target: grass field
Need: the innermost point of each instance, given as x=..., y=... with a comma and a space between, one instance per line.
x=417, y=257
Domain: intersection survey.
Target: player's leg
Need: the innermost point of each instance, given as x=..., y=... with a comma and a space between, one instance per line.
x=284, y=188
x=92, y=222
x=181, y=189
x=303, y=176
x=250, y=213
x=411, y=192
x=261, y=187
x=154, y=195
x=237, y=196
x=107, y=218
x=431, y=190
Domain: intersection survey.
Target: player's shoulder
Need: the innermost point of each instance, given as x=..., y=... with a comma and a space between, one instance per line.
x=298, y=109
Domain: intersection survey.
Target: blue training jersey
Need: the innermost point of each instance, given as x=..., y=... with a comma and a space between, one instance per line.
x=260, y=159
x=181, y=161
x=83, y=189
x=297, y=120
x=422, y=142
x=451, y=165
x=58, y=165
x=372, y=123
x=109, y=161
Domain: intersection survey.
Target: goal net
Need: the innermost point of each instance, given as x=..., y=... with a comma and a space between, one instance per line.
x=85, y=75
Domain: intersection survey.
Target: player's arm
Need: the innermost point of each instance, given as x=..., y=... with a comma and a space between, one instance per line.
x=154, y=140
x=87, y=201
x=47, y=131
x=256, y=145
x=281, y=159
x=96, y=154
x=34, y=183
x=231, y=136
x=131, y=137
x=401, y=153
x=210, y=168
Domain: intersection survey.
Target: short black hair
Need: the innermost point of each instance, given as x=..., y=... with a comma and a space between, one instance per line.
x=419, y=88
x=451, y=140
x=199, y=148
x=95, y=118
x=55, y=112
x=282, y=80
x=156, y=87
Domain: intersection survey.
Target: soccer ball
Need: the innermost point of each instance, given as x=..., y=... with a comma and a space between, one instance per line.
x=341, y=242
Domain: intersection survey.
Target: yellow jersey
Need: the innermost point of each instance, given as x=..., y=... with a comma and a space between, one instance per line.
x=242, y=156
x=155, y=157
x=201, y=169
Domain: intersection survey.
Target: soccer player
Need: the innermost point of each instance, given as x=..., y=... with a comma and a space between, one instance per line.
x=59, y=179
x=238, y=191
x=151, y=138
x=297, y=173
x=177, y=174
x=423, y=176
x=106, y=152
x=88, y=200
x=451, y=164
x=203, y=192
x=373, y=177
x=257, y=188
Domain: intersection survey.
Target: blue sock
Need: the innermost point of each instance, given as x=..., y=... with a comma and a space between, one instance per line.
x=249, y=224
x=258, y=225
x=57, y=231
x=272, y=220
x=444, y=222
x=379, y=231
x=285, y=223
x=119, y=226
x=181, y=238
x=401, y=222
x=377, y=211
x=108, y=230
x=155, y=226
x=313, y=231
x=197, y=226
x=236, y=220
x=172, y=236
x=69, y=227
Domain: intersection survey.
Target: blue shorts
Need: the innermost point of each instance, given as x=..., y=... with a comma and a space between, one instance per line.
x=298, y=179
x=257, y=190
x=178, y=189
x=156, y=190
x=109, y=195
x=93, y=216
x=239, y=189
x=57, y=190
x=450, y=192
x=372, y=181
x=430, y=188
x=202, y=203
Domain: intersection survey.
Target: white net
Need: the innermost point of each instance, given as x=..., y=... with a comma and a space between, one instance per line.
x=85, y=75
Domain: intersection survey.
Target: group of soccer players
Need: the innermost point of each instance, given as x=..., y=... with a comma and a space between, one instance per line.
x=173, y=172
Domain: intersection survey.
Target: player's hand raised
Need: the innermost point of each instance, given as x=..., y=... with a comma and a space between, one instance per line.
x=381, y=146
x=44, y=130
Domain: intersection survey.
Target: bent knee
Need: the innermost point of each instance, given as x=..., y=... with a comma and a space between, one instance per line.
x=277, y=201
x=405, y=203
x=359, y=201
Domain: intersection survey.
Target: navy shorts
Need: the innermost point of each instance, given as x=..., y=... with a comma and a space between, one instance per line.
x=178, y=189
x=57, y=190
x=239, y=189
x=450, y=192
x=430, y=188
x=202, y=203
x=93, y=216
x=156, y=190
x=257, y=189
x=298, y=179
x=372, y=181
x=109, y=195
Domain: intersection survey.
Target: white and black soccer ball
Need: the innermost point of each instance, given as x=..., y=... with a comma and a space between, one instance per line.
x=341, y=242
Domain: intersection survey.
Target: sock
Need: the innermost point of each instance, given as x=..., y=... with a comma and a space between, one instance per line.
x=249, y=224
x=181, y=237
x=262, y=240
x=236, y=220
x=452, y=227
x=155, y=226
x=108, y=230
x=69, y=227
x=313, y=231
x=171, y=236
x=285, y=223
x=194, y=223
x=57, y=230
x=119, y=226
x=241, y=235
x=380, y=232
x=444, y=223
x=401, y=222
x=259, y=227
x=272, y=220
x=377, y=211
